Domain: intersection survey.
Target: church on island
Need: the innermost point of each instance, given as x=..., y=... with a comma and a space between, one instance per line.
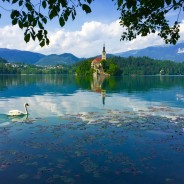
x=96, y=64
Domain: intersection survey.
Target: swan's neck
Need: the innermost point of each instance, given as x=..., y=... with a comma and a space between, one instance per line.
x=26, y=111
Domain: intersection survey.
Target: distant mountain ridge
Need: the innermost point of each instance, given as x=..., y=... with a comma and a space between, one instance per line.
x=28, y=57
x=168, y=52
x=18, y=56
x=55, y=59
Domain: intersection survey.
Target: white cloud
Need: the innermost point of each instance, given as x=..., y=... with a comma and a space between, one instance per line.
x=47, y=105
x=85, y=42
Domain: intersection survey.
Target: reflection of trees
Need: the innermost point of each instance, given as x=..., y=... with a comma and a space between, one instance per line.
x=27, y=85
x=69, y=84
x=25, y=80
x=141, y=83
x=84, y=82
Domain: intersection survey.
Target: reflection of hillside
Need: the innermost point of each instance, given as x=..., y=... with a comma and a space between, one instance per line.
x=132, y=84
x=28, y=85
x=142, y=83
x=84, y=82
x=23, y=80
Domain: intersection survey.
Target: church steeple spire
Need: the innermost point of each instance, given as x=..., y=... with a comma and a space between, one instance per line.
x=104, y=47
x=103, y=53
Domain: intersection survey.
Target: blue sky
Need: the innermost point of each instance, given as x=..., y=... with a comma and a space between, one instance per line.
x=84, y=37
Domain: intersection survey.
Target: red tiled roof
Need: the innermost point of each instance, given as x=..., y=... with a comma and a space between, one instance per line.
x=97, y=60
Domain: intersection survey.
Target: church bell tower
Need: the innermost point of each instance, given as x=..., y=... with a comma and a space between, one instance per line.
x=103, y=53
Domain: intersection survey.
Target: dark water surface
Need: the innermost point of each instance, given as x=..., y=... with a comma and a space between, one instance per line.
x=79, y=130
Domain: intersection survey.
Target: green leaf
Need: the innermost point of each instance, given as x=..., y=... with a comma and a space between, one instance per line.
x=29, y=6
x=14, y=21
x=86, y=8
x=39, y=35
x=30, y=18
x=129, y=4
x=24, y=13
x=20, y=3
x=34, y=22
x=64, y=3
x=67, y=14
x=89, y=1
x=26, y=24
x=44, y=4
x=120, y=3
x=61, y=21
x=42, y=43
x=20, y=24
x=47, y=41
x=44, y=20
x=73, y=16
x=14, y=14
x=52, y=14
x=14, y=1
x=27, y=37
x=33, y=36
x=33, y=31
x=40, y=25
x=168, y=2
x=45, y=32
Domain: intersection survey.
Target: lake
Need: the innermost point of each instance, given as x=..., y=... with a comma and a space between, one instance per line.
x=90, y=131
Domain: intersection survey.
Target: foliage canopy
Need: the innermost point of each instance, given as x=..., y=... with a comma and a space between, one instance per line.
x=139, y=17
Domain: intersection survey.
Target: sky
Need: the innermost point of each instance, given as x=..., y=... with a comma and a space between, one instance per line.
x=83, y=37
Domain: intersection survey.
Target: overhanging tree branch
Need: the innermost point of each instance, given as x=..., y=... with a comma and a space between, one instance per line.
x=139, y=17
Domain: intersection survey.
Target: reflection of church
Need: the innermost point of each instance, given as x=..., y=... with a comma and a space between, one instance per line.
x=96, y=86
x=96, y=64
x=99, y=75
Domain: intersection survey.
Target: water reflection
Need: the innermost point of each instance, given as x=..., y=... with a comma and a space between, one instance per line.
x=72, y=83
x=24, y=118
x=96, y=83
x=51, y=95
x=71, y=137
x=96, y=86
x=103, y=92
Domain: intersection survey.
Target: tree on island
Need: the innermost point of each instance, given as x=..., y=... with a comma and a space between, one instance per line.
x=139, y=17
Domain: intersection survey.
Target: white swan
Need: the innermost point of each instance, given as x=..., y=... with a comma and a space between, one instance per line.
x=17, y=112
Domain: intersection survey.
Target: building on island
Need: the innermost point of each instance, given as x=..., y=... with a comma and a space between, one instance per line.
x=96, y=64
x=97, y=67
x=103, y=53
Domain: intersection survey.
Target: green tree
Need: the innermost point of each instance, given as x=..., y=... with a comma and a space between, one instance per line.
x=84, y=68
x=32, y=16
x=113, y=69
x=139, y=17
x=142, y=17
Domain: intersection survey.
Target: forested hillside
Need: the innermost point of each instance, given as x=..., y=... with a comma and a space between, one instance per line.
x=117, y=66
x=148, y=66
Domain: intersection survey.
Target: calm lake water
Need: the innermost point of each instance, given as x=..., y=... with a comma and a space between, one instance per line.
x=84, y=131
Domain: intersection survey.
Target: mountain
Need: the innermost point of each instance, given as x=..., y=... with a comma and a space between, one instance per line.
x=55, y=59
x=2, y=60
x=18, y=56
x=168, y=52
